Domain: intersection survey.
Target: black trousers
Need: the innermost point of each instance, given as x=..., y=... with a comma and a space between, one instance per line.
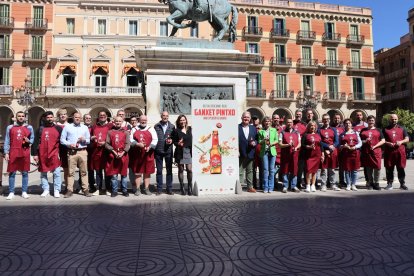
x=390, y=174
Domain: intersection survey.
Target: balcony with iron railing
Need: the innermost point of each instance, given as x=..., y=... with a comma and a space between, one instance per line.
x=361, y=97
x=333, y=65
x=333, y=38
x=396, y=96
x=36, y=24
x=282, y=95
x=334, y=96
x=6, y=55
x=356, y=40
x=279, y=34
x=252, y=32
x=6, y=91
x=306, y=36
x=93, y=91
x=258, y=61
x=367, y=68
x=280, y=62
x=35, y=56
x=307, y=64
x=256, y=93
x=6, y=23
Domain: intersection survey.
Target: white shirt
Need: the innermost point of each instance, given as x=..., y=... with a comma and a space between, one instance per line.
x=246, y=131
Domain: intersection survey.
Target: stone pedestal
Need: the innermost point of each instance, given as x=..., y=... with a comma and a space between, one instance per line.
x=178, y=70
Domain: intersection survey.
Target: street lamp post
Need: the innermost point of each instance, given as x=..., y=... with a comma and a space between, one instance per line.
x=308, y=99
x=25, y=95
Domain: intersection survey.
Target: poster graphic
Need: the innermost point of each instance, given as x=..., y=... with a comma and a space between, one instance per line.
x=215, y=146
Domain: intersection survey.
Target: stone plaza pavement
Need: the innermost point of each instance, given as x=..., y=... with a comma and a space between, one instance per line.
x=332, y=233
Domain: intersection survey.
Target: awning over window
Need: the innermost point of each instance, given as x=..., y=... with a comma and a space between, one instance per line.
x=128, y=67
x=63, y=67
x=103, y=66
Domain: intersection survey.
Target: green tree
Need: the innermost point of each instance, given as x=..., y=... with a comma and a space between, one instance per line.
x=405, y=119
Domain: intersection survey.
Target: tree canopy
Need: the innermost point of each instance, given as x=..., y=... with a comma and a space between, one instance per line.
x=405, y=119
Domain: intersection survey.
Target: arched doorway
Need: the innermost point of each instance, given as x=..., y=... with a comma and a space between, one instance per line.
x=34, y=115
x=132, y=111
x=255, y=112
x=6, y=115
x=96, y=110
x=353, y=115
x=283, y=114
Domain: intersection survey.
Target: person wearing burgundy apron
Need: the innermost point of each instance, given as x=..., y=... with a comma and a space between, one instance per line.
x=394, y=154
x=290, y=143
x=337, y=124
x=276, y=124
x=313, y=155
x=300, y=127
x=62, y=116
x=99, y=154
x=46, y=153
x=329, y=142
x=145, y=138
x=19, y=137
x=359, y=125
x=117, y=144
x=372, y=140
x=350, y=142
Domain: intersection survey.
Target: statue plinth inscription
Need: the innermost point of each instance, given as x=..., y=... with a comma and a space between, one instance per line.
x=176, y=99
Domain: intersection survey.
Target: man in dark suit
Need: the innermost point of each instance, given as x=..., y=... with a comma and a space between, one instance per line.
x=247, y=145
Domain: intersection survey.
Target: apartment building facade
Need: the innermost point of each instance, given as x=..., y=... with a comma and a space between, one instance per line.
x=395, y=80
x=325, y=50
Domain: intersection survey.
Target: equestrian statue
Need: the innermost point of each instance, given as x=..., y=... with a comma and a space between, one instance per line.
x=216, y=12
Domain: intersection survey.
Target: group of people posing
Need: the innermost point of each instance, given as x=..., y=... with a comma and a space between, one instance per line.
x=102, y=152
x=306, y=148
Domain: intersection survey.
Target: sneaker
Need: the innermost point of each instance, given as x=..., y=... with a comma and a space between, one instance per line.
x=45, y=194
x=56, y=194
x=307, y=189
x=336, y=188
x=25, y=195
x=137, y=192
x=389, y=187
x=147, y=192
x=403, y=187
x=251, y=190
x=10, y=196
x=354, y=188
x=348, y=187
x=312, y=188
x=97, y=192
x=296, y=190
x=377, y=187
x=125, y=194
x=323, y=188
x=284, y=190
x=108, y=193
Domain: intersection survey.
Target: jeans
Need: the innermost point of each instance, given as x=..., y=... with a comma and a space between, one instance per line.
x=350, y=177
x=57, y=180
x=12, y=180
x=168, y=166
x=289, y=178
x=327, y=174
x=114, y=181
x=269, y=170
x=246, y=166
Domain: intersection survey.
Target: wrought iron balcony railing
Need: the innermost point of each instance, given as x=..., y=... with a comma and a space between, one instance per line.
x=333, y=64
x=282, y=95
x=92, y=91
x=331, y=37
x=355, y=39
x=309, y=63
x=277, y=33
x=6, y=22
x=306, y=35
x=6, y=90
x=39, y=24
x=34, y=56
x=255, y=93
x=252, y=31
x=280, y=62
x=6, y=54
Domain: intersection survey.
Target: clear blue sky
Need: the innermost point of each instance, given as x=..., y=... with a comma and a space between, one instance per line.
x=390, y=18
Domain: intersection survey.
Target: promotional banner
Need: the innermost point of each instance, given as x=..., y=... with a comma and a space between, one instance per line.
x=215, y=146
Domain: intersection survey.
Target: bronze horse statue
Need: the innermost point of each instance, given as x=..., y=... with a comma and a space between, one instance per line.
x=216, y=12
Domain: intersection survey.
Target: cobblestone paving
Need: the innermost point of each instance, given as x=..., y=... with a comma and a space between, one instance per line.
x=332, y=233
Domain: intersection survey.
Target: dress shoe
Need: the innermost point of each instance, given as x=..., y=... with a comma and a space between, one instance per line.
x=87, y=193
x=114, y=194
x=170, y=193
x=125, y=194
x=403, y=187
x=102, y=192
x=158, y=193
x=68, y=194
x=251, y=190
